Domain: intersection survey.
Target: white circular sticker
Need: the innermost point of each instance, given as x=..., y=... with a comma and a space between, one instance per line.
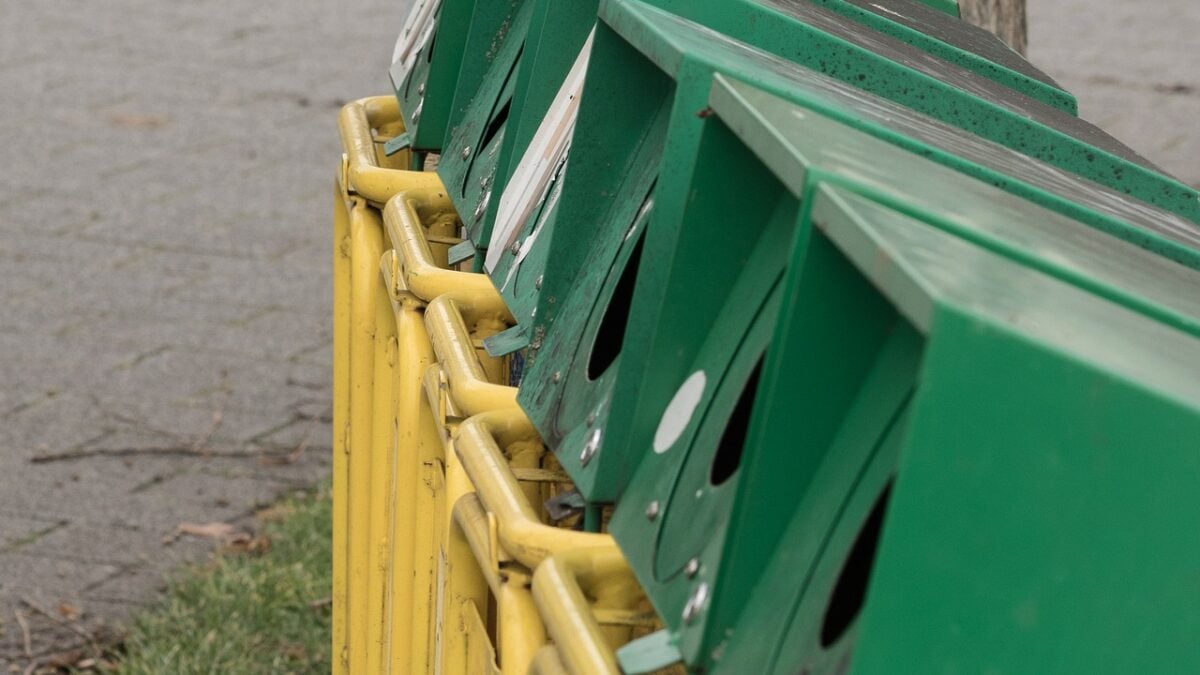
x=679, y=412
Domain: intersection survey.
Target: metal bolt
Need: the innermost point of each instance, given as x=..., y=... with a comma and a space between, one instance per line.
x=515, y=248
x=695, y=603
x=466, y=152
x=421, y=89
x=557, y=376
x=591, y=419
x=652, y=511
x=590, y=448
x=537, y=284
x=691, y=568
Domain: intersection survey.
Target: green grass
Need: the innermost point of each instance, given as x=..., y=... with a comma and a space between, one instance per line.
x=246, y=613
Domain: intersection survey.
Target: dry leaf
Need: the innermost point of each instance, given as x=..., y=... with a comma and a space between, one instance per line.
x=244, y=542
x=204, y=530
x=69, y=612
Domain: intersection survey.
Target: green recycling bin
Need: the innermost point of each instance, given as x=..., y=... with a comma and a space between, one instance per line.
x=586, y=277
x=788, y=514
x=441, y=58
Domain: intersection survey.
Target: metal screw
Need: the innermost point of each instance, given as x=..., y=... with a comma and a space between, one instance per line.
x=466, y=152
x=691, y=568
x=515, y=248
x=652, y=511
x=537, y=284
x=590, y=448
x=421, y=89
x=557, y=376
x=695, y=603
x=591, y=419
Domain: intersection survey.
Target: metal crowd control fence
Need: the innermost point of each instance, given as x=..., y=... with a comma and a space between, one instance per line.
x=445, y=559
x=815, y=336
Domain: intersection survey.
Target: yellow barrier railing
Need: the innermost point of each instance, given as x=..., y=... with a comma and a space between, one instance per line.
x=442, y=562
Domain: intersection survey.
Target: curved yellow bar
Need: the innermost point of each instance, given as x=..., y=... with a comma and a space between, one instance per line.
x=404, y=216
x=446, y=320
x=547, y=662
x=519, y=628
x=470, y=517
x=558, y=590
x=522, y=534
x=364, y=176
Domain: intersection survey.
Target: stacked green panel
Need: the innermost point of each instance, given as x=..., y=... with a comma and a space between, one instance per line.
x=532, y=48
x=888, y=362
x=451, y=53
x=586, y=279
x=751, y=516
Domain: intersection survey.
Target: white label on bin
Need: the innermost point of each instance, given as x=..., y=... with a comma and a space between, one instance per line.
x=418, y=28
x=531, y=179
x=679, y=412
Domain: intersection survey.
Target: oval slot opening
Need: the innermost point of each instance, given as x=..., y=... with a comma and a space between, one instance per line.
x=728, y=457
x=851, y=590
x=611, y=333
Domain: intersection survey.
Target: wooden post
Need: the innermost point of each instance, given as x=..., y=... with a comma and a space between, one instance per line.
x=1005, y=18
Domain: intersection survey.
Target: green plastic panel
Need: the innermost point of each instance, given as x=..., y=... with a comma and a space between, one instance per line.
x=469, y=162
x=1018, y=524
x=449, y=62
x=856, y=351
x=580, y=276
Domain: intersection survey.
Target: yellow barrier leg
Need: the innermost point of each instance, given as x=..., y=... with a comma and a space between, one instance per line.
x=466, y=584
x=414, y=356
x=382, y=466
x=341, y=413
x=521, y=633
x=428, y=546
x=365, y=250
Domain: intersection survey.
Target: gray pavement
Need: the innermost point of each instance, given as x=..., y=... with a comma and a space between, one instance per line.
x=164, y=260
x=1133, y=66
x=165, y=215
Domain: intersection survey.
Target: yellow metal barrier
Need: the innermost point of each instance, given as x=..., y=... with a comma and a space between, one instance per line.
x=442, y=562
x=341, y=413
x=365, y=125
x=521, y=532
x=547, y=662
x=559, y=589
x=471, y=378
x=407, y=216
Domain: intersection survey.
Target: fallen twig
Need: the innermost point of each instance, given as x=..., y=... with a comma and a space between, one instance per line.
x=199, y=445
x=293, y=456
x=71, y=625
x=185, y=450
x=28, y=642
